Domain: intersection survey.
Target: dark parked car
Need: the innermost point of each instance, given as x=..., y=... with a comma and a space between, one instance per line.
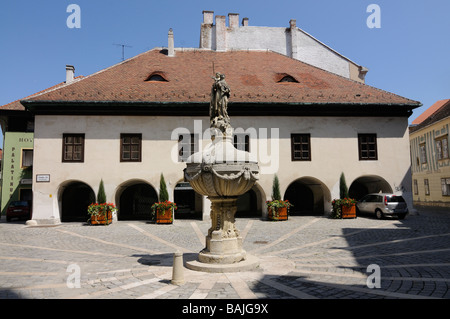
x=382, y=204
x=19, y=209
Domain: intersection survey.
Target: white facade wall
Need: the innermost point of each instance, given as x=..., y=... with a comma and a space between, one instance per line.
x=334, y=149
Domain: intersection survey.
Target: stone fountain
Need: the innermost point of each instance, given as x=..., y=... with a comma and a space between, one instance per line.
x=222, y=173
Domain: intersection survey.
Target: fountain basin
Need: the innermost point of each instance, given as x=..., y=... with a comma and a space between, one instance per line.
x=222, y=173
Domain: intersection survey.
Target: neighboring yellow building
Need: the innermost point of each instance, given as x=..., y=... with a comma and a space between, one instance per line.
x=430, y=156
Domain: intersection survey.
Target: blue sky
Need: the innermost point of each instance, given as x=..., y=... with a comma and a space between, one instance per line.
x=408, y=55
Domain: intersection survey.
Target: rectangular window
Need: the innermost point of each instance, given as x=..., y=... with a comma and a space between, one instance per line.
x=367, y=144
x=445, y=183
x=27, y=158
x=427, y=186
x=130, y=147
x=442, y=148
x=187, y=145
x=445, y=148
x=73, y=148
x=423, y=153
x=416, y=187
x=242, y=142
x=301, y=147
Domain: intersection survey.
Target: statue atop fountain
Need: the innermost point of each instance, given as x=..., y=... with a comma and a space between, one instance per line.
x=218, y=108
x=222, y=173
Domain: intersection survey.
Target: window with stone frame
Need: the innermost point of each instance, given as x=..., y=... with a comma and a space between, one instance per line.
x=445, y=184
x=426, y=183
x=73, y=148
x=423, y=153
x=442, y=148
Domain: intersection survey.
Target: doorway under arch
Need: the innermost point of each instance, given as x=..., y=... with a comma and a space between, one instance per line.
x=249, y=204
x=189, y=202
x=309, y=196
x=74, y=200
x=368, y=184
x=135, y=200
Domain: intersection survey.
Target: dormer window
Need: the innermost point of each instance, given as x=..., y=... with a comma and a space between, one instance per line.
x=156, y=77
x=287, y=78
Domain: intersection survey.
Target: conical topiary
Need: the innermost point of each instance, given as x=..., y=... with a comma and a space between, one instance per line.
x=276, y=189
x=101, y=196
x=343, y=190
x=163, y=194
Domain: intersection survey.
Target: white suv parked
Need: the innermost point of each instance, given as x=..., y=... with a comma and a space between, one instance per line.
x=383, y=204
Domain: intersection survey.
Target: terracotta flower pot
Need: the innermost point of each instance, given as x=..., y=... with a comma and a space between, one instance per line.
x=164, y=217
x=101, y=220
x=348, y=212
x=281, y=215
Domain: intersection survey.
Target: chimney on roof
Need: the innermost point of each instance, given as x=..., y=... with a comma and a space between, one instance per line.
x=221, y=33
x=233, y=20
x=70, y=70
x=206, y=30
x=171, y=48
x=245, y=22
x=294, y=41
x=208, y=17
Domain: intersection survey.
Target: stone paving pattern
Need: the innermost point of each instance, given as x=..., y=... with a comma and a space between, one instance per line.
x=306, y=257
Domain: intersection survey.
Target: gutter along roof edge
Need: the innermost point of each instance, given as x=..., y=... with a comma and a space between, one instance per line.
x=149, y=103
x=202, y=108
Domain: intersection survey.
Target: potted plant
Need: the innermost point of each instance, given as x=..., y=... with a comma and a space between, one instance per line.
x=101, y=214
x=101, y=211
x=344, y=207
x=162, y=211
x=277, y=209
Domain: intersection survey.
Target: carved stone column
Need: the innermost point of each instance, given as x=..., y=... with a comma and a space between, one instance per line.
x=223, y=242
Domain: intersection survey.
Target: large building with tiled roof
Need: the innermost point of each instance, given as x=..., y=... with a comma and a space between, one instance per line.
x=131, y=122
x=430, y=156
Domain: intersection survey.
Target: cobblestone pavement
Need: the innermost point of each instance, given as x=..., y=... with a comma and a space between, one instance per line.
x=305, y=257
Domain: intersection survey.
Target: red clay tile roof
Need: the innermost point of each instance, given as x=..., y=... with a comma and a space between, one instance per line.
x=430, y=111
x=252, y=76
x=440, y=113
x=17, y=106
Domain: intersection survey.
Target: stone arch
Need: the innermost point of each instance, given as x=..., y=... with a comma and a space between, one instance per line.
x=367, y=184
x=134, y=199
x=309, y=196
x=73, y=198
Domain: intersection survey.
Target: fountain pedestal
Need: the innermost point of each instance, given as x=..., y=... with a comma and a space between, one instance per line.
x=222, y=173
x=223, y=242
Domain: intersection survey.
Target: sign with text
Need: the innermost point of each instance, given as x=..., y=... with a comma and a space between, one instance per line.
x=42, y=178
